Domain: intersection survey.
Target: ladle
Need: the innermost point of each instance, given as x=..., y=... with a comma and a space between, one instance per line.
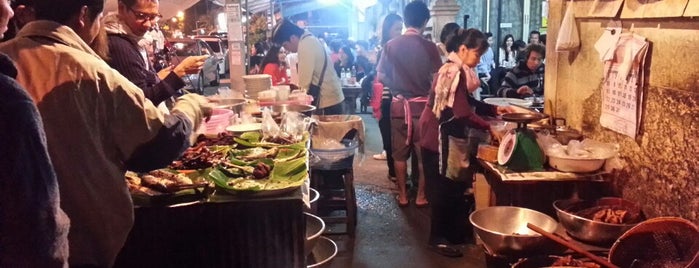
x=574, y=247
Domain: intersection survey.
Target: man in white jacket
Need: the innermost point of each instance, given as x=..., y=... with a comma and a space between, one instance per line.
x=314, y=68
x=98, y=124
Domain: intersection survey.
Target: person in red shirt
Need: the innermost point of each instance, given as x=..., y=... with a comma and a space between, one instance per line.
x=274, y=64
x=409, y=84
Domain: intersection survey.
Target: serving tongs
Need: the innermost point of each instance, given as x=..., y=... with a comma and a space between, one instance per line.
x=602, y=261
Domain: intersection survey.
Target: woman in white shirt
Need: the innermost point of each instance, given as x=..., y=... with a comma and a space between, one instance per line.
x=507, y=55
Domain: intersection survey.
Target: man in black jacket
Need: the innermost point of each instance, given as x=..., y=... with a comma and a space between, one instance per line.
x=125, y=29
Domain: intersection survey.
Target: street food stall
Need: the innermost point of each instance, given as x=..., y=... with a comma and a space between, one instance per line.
x=239, y=197
x=229, y=201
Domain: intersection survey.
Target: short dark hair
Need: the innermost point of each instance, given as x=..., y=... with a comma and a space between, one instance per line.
x=447, y=29
x=535, y=48
x=471, y=38
x=62, y=11
x=529, y=40
x=284, y=30
x=416, y=14
x=488, y=34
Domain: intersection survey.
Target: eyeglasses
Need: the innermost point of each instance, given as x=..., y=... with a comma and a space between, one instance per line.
x=141, y=16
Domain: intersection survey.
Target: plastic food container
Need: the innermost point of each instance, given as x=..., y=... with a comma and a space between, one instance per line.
x=220, y=119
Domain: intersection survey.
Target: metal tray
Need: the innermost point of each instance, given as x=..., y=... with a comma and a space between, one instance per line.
x=524, y=117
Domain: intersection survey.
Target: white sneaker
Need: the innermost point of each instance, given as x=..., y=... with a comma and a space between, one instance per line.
x=381, y=156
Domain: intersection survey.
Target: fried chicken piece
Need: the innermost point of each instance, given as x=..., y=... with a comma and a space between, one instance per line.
x=178, y=178
x=158, y=184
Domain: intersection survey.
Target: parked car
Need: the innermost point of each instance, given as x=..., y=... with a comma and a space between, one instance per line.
x=220, y=48
x=181, y=48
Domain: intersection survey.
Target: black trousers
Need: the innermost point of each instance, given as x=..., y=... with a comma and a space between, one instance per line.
x=385, y=129
x=449, y=219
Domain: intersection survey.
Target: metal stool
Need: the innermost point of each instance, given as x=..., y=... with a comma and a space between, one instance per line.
x=336, y=188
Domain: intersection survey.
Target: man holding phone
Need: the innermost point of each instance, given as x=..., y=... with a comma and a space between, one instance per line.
x=125, y=29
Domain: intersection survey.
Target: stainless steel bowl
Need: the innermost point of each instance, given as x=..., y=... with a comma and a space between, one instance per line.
x=314, y=228
x=322, y=254
x=504, y=231
x=224, y=103
x=595, y=232
x=280, y=109
x=313, y=197
x=578, y=165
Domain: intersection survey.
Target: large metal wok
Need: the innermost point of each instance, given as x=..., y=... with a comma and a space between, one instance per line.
x=595, y=232
x=504, y=231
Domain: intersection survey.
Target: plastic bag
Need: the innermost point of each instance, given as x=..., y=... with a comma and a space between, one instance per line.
x=568, y=37
x=293, y=124
x=269, y=126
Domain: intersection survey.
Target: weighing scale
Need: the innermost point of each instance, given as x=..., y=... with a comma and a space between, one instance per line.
x=520, y=143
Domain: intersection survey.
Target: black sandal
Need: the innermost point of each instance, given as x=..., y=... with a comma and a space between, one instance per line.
x=446, y=250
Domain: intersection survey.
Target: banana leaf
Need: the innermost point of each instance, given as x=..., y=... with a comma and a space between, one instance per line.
x=286, y=154
x=219, y=178
x=251, y=137
x=285, y=176
x=244, y=143
x=284, y=170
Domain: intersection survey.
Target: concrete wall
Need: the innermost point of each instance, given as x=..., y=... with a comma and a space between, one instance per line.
x=661, y=170
x=476, y=11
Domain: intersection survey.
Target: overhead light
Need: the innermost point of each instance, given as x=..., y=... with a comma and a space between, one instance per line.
x=180, y=14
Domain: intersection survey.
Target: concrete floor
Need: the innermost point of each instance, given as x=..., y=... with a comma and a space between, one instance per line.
x=387, y=235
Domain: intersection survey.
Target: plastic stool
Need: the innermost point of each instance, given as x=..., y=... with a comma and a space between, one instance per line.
x=336, y=188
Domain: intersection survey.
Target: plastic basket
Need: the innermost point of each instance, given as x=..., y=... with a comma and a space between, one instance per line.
x=334, y=159
x=218, y=122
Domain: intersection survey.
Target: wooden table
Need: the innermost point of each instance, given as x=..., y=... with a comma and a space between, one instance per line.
x=351, y=94
x=538, y=190
x=224, y=231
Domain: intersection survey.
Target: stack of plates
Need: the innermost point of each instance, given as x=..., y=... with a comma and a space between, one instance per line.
x=256, y=83
x=508, y=101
